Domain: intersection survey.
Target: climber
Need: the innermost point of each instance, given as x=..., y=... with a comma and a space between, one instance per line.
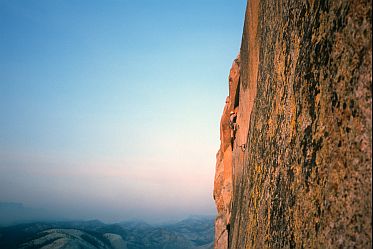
x=233, y=125
x=243, y=147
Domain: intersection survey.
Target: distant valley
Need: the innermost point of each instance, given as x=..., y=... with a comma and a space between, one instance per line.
x=195, y=232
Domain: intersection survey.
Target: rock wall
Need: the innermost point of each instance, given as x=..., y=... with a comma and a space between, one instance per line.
x=298, y=173
x=223, y=184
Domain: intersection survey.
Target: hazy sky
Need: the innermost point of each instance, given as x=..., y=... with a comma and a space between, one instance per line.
x=111, y=109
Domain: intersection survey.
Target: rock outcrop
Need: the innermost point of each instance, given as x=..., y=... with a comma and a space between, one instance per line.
x=223, y=184
x=295, y=169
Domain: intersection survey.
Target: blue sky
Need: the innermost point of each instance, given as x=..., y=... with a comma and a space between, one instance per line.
x=111, y=109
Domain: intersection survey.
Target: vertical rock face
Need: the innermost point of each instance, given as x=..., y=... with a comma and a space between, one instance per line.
x=298, y=173
x=223, y=185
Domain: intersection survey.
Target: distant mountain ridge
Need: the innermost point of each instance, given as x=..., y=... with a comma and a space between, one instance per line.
x=191, y=233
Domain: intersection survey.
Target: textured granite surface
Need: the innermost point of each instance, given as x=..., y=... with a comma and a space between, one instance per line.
x=301, y=159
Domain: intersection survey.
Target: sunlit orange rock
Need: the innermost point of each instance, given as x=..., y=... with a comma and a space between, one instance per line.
x=298, y=173
x=223, y=183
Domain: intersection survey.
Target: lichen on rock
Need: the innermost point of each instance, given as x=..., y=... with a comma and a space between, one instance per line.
x=298, y=173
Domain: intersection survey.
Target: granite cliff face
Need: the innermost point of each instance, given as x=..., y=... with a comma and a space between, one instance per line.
x=297, y=173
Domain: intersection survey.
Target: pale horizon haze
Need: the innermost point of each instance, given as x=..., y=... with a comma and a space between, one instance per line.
x=110, y=110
